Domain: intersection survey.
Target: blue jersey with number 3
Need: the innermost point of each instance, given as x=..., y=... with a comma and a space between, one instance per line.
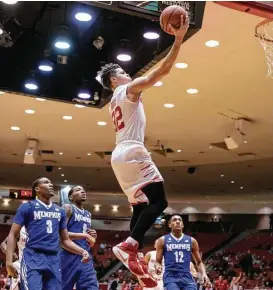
x=177, y=253
x=43, y=223
x=79, y=222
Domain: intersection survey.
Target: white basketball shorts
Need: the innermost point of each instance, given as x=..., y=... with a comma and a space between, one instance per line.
x=134, y=169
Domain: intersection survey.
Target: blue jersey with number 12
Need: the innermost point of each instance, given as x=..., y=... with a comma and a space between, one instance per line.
x=43, y=223
x=177, y=253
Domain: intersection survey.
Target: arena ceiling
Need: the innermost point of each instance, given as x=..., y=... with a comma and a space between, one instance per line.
x=231, y=82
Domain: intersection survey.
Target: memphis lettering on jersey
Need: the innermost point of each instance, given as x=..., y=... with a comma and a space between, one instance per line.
x=39, y=214
x=81, y=218
x=171, y=247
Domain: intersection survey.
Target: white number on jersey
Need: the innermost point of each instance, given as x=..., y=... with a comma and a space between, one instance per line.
x=49, y=229
x=179, y=257
x=84, y=228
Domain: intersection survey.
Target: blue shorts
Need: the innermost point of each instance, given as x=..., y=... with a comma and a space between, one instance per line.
x=76, y=272
x=40, y=271
x=179, y=281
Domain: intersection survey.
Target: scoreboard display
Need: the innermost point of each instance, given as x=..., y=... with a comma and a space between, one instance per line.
x=21, y=194
x=152, y=9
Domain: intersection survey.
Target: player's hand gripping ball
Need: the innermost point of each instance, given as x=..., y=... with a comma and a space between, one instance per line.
x=174, y=18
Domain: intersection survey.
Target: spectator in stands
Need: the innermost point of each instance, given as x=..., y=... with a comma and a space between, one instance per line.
x=221, y=284
x=3, y=281
x=102, y=248
x=234, y=285
x=247, y=264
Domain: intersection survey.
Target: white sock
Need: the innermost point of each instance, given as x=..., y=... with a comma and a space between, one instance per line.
x=132, y=241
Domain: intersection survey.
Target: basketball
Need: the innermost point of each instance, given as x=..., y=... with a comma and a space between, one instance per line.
x=171, y=15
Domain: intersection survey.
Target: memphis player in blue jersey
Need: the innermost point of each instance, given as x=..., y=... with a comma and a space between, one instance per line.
x=79, y=230
x=177, y=249
x=45, y=223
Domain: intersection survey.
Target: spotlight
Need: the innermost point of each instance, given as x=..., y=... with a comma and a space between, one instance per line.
x=63, y=39
x=1, y=31
x=124, y=57
x=124, y=51
x=31, y=84
x=151, y=35
x=9, y=2
x=62, y=44
x=83, y=17
x=46, y=66
x=84, y=94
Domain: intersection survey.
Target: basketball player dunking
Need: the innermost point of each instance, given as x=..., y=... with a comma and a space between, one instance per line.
x=177, y=248
x=21, y=243
x=135, y=171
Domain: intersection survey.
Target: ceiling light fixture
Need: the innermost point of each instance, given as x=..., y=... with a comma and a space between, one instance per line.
x=245, y=141
x=212, y=43
x=158, y=84
x=181, y=65
x=31, y=84
x=65, y=180
x=67, y=117
x=210, y=147
x=192, y=91
x=46, y=65
x=2, y=93
x=151, y=35
x=89, y=154
x=61, y=153
x=84, y=94
x=60, y=168
x=40, y=99
x=241, y=187
x=222, y=175
x=169, y=106
x=232, y=181
x=124, y=57
x=83, y=17
x=62, y=174
x=9, y=2
x=29, y=111
x=63, y=39
x=102, y=123
x=178, y=150
x=79, y=106
x=15, y=128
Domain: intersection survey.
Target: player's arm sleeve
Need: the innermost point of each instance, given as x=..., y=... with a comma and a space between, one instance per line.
x=63, y=225
x=21, y=216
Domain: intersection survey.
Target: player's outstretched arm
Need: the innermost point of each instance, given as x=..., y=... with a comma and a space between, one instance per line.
x=72, y=247
x=11, y=245
x=159, y=254
x=143, y=83
x=197, y=258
